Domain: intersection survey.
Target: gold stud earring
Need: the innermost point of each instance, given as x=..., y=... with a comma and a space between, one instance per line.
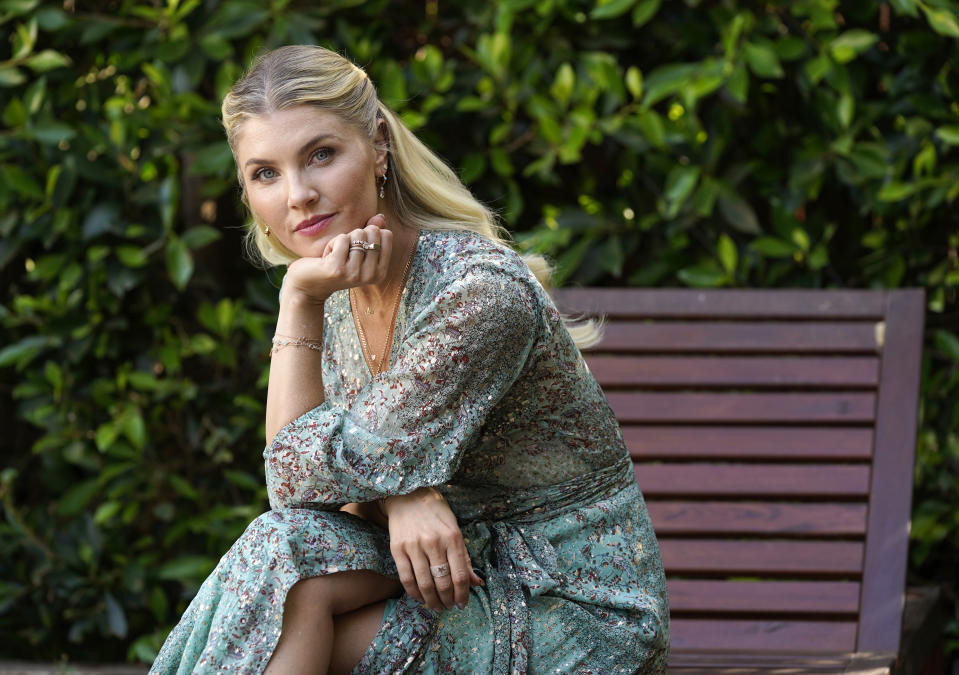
x=267, y=230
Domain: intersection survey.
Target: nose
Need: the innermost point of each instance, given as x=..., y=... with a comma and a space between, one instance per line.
x=302, y=193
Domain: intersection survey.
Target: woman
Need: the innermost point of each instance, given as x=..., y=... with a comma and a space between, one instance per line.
x=433, y=428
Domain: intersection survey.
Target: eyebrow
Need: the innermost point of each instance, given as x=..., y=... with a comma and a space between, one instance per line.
x=303, y=149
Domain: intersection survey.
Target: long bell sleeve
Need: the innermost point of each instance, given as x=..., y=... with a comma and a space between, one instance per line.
x=408, y=428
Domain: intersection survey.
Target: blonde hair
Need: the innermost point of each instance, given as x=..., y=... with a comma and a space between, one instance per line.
x=422, y=190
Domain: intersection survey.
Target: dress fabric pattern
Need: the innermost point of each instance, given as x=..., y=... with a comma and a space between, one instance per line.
x=487, y=398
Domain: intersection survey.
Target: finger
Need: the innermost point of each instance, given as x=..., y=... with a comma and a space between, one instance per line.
x=424, y=579
x=383, y=257
x=459, y=573
x=357, y=256
x=371, y=264
x=405, y=571
x=444, y=583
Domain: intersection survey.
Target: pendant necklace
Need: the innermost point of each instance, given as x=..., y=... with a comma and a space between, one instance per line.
x=378, y=366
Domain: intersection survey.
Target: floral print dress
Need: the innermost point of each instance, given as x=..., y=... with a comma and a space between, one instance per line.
x=487, y=398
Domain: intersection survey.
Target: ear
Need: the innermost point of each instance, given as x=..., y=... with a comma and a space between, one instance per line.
x=381, y=147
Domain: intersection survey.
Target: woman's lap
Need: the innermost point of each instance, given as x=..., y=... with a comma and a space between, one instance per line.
x=234, y=621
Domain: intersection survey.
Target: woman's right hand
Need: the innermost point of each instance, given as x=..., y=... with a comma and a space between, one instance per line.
x=423, y=534
x=315, y=279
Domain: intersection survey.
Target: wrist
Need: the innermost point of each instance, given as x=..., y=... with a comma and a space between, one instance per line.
x=419, y=495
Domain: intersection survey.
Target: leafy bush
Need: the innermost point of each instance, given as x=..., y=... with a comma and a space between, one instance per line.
x=800, y=143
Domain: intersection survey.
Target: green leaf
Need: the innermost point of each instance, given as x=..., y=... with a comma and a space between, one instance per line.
x=667, y=80
x=11, y=77
x=131, y=256
x=762, y=60
x=187, y=568
x=106, y=512
x=907, y=7
x=46, y=60
x=179, y=262
x=77, y=497
x=134, y=428
x=23, y=351
x=728, y=256
x=771, y=247
x=851, y=44
x=680, y=182
x=942, y=20
x=472, y=167
x=392, y=85
x=22, y=182
x=948, y=134
x=845, y=109
x=738, y=83
x=500, y=160
x=215, y=159
x=105, y=436
x=634, y=82
x=12, y=8
x=563, y=84
x=116, y=617
x=199, y=236
x=895, y=191
x=651, y=124
x=738, y=213
x=15, y=114
x=52, y=133
x=704, y=275
x=644, y=11
x=948, y=343
x=610, y=9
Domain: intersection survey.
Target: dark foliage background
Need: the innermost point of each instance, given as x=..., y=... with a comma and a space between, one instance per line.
x=799, y=143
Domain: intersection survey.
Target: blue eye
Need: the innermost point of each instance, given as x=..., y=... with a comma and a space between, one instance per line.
x=264, y=174
x=323, y=154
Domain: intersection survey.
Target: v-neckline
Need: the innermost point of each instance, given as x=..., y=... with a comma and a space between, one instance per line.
x=357, y=331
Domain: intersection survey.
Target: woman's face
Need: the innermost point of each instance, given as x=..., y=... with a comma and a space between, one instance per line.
x=308, y=175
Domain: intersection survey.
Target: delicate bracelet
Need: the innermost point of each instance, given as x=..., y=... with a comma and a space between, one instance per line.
x=281, y=341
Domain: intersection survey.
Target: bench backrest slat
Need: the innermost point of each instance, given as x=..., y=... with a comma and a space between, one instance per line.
x=773, y=440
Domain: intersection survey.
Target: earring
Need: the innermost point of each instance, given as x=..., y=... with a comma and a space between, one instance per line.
x=382, y=186
x=267, y=230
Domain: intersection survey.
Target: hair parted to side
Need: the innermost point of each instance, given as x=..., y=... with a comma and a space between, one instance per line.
x=422, y=190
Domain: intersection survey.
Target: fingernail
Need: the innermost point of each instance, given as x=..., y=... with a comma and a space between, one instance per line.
x=461, y=605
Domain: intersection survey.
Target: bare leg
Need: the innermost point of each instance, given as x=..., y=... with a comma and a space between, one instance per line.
x=352, y=635
x=306, y=639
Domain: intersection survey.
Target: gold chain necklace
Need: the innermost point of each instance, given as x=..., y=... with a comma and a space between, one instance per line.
x=370, y=356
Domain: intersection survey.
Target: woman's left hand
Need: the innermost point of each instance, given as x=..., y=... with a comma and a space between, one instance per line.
x=424, y=534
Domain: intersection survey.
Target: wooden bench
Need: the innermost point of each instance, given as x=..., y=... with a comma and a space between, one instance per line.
x=773, y=434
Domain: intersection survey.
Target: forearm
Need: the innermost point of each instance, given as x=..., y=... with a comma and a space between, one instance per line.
x=296, y=382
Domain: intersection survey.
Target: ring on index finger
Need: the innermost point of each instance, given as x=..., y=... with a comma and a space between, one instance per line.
x=439, y=571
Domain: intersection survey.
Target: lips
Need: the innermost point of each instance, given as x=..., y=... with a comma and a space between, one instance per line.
x=315, y=224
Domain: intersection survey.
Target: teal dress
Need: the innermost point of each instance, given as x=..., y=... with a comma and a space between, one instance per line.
x=487, y=398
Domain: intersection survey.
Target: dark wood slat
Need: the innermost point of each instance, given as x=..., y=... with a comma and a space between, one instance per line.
x=784, y=597
x=745, y=518
x=777, y=303
x=774, y=442
x=888, y=540
x=797, y=636
x=723, y=407
x=744, y=480
x=722, y=662
x=639, y=371
x=760, y=557
x=791, y=338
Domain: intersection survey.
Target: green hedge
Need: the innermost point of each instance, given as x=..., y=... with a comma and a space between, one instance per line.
x=788, y=143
